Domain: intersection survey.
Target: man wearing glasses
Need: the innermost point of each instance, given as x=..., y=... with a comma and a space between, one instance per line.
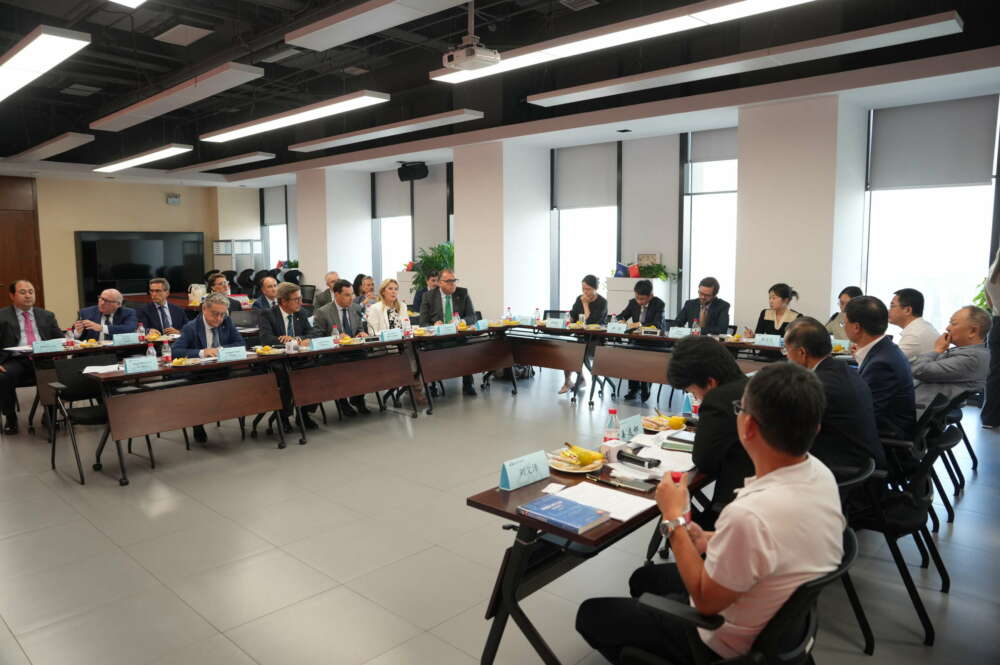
x=443, y=304
x=159, y=315
x=286, y=323
x=105, y=319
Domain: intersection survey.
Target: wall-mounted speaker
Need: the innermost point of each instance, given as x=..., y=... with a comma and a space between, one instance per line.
x=412, y=171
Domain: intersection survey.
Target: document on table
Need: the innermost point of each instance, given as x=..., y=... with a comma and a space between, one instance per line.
x=670, y=460
x=621, y=505
x=18, y=349
x=101, y=369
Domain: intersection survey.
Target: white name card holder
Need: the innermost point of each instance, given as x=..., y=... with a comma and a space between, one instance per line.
x=47, y=345
x=768, y=340
x=482, y=324
x=321, y=344
x=676, y=332
x=629, y=428
x=125, y=339
x=391, y=335
x=617, y=328
x=230, y=353
x=447, y=329
x=517, y=473
x=525, y=321
x=141, y=365
x=555, y=323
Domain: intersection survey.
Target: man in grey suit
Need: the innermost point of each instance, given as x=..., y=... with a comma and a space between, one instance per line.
x=325, y=297
x=20, y=324
x=961, y=368
x=342, y=316
x=442, y=304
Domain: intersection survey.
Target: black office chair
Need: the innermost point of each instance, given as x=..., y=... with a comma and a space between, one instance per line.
x=208, y=274
x=274, y=272
x=308, y=292
x=246, y=318
x=257, y=276
x=231, y=278
x=244, y=280
x=787, y=639
x=294, y=276
x=953, y=416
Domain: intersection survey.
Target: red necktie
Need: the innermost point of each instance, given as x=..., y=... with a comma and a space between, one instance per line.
x=29, y=330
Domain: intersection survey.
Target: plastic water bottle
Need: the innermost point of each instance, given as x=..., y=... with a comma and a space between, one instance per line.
x=675, y=476
x=69, y=337
x=165, y=353
x=142, y=334
x=537, y=316
x=456, y=319
x=613, y=427
x=151, y=351
x=695, y=327
x=406, y=326
x=507, y=314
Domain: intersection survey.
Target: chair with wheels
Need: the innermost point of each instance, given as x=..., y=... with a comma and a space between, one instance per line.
x=244, y=280
x=308, y=292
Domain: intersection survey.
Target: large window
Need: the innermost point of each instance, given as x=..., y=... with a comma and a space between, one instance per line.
x=710, y=225
x=933, y=239
x=277, y=244
x=588, y=241
x=396, y=244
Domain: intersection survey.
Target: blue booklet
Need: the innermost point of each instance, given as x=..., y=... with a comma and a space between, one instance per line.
x=564, y=514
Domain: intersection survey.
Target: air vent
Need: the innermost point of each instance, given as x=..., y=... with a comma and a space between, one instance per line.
x=280, y=55
x=80, y=90
x=577, y=5
x=354, y=70
x=182, y=35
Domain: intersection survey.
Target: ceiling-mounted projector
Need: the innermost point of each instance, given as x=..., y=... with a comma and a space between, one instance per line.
x=470, y=55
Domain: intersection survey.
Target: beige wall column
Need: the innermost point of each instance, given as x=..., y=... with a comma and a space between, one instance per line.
x=478, y=234
x=311, y=206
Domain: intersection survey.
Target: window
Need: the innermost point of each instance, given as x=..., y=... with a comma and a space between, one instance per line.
x=277, y=244
x=933, y=239
x=396, y=245
x=588, y=241
x=710, y=225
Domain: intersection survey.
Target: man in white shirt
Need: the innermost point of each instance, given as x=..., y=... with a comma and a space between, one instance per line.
x=906, y=310
x=759, y=553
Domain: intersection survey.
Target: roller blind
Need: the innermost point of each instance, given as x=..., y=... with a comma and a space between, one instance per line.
x=587, y=176
x=274, y=206
x=934, y=145
x=392, y=197
x=713, y=145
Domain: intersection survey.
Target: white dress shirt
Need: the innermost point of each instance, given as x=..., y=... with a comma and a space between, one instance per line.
x=862, y=352
x=917, y=338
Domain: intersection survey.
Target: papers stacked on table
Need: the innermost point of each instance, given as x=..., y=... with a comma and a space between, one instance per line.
x=621, y=505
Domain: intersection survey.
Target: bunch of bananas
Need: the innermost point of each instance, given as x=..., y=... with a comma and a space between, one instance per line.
x=580, y=456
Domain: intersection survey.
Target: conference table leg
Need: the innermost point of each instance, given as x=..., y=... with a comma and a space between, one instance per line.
x=300, y=421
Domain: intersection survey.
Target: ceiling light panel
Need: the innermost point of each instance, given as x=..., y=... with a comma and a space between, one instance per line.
x=59, y=144
x=363, y=20
x=154, y=155
x=182, y=34
x=39, y=51
x=335, y=106
x=927, y=27
x=660, y=24
x=203, y=86
x=237, y=160
x=385, y=131
x=129, y=3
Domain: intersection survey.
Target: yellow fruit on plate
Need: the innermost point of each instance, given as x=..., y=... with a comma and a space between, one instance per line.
x=838, y=348
x=737, y=336
x=178, y=362
x=580, y=456
x=676, y=422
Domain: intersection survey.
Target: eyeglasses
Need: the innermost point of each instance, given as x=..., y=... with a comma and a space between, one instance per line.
x=103, y=299
x=448, y=281
x=296, y=299
x=738, y=407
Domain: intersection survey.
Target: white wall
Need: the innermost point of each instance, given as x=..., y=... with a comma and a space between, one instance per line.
x=527, y=251
x=430, y=208
x=849, y=204
x=479, y=222
x=349, y=215
x=651, y=197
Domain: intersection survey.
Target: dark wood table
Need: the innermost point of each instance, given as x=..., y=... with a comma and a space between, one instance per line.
x=441, y=357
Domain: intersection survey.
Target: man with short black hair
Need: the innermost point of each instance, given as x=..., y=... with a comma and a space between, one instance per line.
x=287, y=322
x=432, y=283
x=343, y=316
x=848, y=436
x=708, y=311
x=159, y=315
x=644, y=309
x=962, y=367
x=906, y=310
x=443, y=305
x=882, y=366
x=785, y=528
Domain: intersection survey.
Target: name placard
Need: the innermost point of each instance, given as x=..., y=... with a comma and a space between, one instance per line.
x=321, y=344
x=141, y=364
x=124, y=339
x=525, y=320
x=676, y=332
x=447, y=329
x=482, y=324
x=617, y=327
x=47, y=345
x=390, y=335
x=629, y=427
x=517, y=473
x=555, y=323
x=228, y=353
x=768, y=340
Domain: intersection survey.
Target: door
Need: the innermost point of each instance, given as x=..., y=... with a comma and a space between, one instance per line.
x=19, y=255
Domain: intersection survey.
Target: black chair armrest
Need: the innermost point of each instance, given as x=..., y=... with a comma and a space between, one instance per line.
x=849, y=476
x=678, y=610
x=896, y=443
x=880, y=474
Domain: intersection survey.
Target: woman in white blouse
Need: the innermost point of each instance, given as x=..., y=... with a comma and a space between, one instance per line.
x=389, y=311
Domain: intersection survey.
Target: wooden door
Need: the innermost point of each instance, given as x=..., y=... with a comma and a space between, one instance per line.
x=20, y=256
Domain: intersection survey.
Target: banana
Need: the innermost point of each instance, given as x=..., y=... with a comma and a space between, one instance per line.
x=581, y=456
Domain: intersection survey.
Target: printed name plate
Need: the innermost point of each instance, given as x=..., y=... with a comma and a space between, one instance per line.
x=447, y=329
x=47, y=345
x=321, y=344
x=227, y=353
x=390, y=335
x=617, y=327
x=124, y=339
x=629, y=427
x=482, y=324
x=524, y=470
x=676, y=332
x=555, y=323
x=140, y=364
x=768, y=340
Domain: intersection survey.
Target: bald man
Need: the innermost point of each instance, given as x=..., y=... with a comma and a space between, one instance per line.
x=105, y=319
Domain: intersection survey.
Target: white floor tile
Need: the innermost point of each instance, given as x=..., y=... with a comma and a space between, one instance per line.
x=424, y=649
x=294, y=519
x=31, y=514
x=216, y=650
x=50, y=547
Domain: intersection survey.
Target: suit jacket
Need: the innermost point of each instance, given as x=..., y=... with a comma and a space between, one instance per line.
x=957, y=370
x=327, y=317
x=717, y=321
x=272, y=325
x=46, y=327
x=848, y=435
x=123, y=321
x=717, y=448
x=654, y=313
x=324, y=297
x=418, y=298
x=262, y=304
x=432, y=309
x=887, y=373
x=378, y=316
x=598, y=310
x=149, y=317
x=234, y=305
x=193, y=340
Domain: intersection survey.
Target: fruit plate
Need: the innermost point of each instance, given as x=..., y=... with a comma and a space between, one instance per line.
x=565, y=466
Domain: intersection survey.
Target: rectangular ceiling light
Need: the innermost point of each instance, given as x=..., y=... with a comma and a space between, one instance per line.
x=363, y=20
x=39, y=51
x=201, y=87
x=154, y=155
x=343, y=104
x=59, y=144
x=660, y=24
x=237, y=160
x=394, y=129
x=129, y=3
x=927, y=27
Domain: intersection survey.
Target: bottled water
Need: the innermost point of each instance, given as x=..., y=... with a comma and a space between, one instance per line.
x=151, y=351
x=613, y=427
x=165, y=352
x=142, y=334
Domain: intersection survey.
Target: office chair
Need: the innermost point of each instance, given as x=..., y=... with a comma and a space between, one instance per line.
x=246, y=318
x=308, y=292
x=231, y=278
x=294, y=276
x=244, y=280
x=74, y=386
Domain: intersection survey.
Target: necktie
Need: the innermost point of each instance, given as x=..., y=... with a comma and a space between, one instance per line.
x=703, y=317
x=346, y=322
x=215, y=338
x=164, y=318
x=447, y=309
x=29, y=330
x=291, y=328
x=105, y=322
x=642, y=314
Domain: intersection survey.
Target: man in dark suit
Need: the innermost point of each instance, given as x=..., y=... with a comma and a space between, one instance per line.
x=644, y=309
x=21, y=324
x=160, y=315
x=848, y=436
x=882, y=366
x=268, y=295
x=285, y=323
x=219, y=283
x=325, y=297
x=706, y=369
x=105, y=319
x=443, y=304
x=710, y=312
x=343, y=316
x=432, y=283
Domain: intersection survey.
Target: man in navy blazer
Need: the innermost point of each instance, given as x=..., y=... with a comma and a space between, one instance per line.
x=160, y=315
x=882, y=365
x=268, y=295
x=710, y=311
x=206, y=333
x=105, y=319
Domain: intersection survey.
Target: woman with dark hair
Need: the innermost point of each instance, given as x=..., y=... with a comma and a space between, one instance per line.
x=590, y=307
x=835, y=326
x=775, y=319
x=364, y=292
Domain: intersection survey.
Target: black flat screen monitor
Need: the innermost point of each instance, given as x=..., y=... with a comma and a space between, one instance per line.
x=127, y=260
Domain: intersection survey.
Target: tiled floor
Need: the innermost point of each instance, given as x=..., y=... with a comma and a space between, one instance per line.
x=358, y=548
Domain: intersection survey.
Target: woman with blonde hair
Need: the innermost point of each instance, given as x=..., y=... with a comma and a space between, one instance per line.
x=389, y=311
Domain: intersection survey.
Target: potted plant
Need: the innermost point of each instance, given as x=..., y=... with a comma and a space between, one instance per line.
x=437, y=258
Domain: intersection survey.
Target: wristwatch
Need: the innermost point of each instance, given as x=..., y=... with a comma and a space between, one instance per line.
x=667, y=526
